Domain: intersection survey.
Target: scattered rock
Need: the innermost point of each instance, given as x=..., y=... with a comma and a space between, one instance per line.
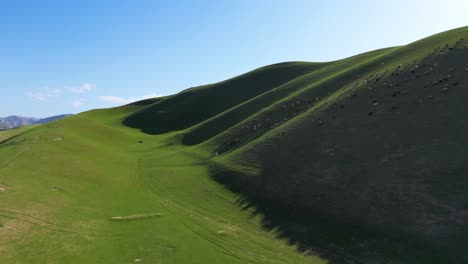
x=57, y=139
x=137, y=260
x=53, y=188
x=2, y=189
x=444, y=89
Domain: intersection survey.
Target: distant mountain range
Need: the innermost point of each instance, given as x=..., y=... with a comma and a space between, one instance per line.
x=17, y=121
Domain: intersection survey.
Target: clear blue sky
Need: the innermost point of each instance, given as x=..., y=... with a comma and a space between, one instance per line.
x=69, y=56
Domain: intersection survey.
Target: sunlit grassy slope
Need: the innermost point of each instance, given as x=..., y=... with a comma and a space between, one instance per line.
x=65, y=184
x=361, y=160
x=8, y=133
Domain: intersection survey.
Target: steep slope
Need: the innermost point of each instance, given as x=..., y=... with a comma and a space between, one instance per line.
x=374, y=144
x=200, y=103
x=325, y=76
x=387, y=153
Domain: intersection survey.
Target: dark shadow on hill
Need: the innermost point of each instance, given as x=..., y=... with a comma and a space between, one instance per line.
x=197, y=104
x=381, y=180
x=318, y=235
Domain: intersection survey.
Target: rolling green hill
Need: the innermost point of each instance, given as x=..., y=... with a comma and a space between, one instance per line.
x=8, y=133
x=361, y=160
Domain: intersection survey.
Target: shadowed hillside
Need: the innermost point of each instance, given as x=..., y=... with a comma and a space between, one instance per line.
x=387, y=153
x=375, y=141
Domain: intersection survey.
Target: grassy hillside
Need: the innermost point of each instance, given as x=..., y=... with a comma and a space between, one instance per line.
x=8, y=133
x=386, y=153
x=368, y=141
x=361, y=160
x=88, y=190
x=199, y=103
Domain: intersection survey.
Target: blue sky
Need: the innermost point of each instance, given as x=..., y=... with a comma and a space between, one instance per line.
x=70, y=56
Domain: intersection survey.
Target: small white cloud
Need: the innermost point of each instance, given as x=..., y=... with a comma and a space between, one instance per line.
x=44, y=94
x=119, y=100
x=112, y=99
x=146, y=96
x=78, y=103
x=86, y=87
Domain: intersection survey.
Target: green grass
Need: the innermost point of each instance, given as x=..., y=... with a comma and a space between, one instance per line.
x=101, y=171
x=8, y=133
x=206, y=101
x=185, y=179
x=398, y=172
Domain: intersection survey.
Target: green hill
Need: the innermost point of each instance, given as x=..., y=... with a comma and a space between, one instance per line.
x=361, y=160
x=206, y=101
x=8, y=133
